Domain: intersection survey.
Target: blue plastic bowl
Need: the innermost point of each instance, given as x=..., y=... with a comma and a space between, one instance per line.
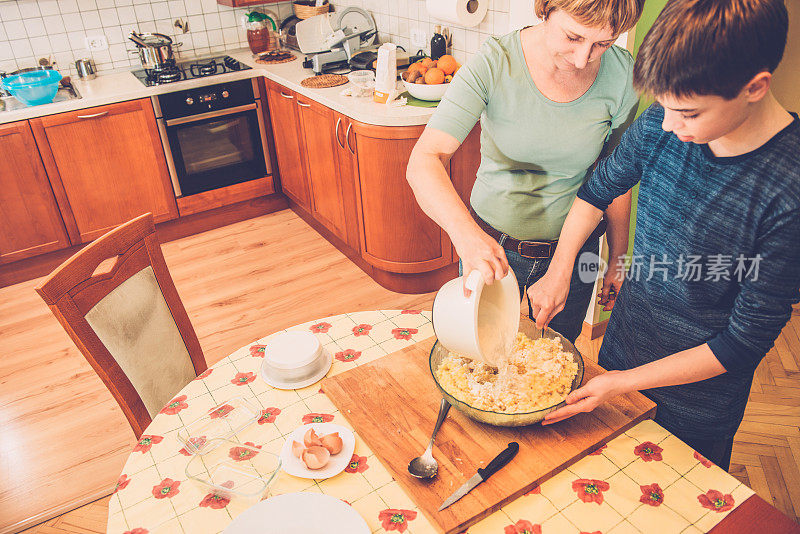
x=33, y=88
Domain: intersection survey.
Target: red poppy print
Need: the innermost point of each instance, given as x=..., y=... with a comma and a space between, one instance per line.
x=535, y=491
x=716, y=501
x=590, y=490
x=221, y=412
x=358, y=464
x=361, y=330
x=241, y=454
x=320, y=328
x=648, y=451
x=599, y=451
x=205, y=373
x=217, y=500
x=268, y=415
x=175, y=405
x=166, y=489
x=317, y=418
x=396, y=519
x=523, y=526
x=404, y=333
x=411, y=312
x=137, y=530
x=257, y=351
x=243, y=378
x=652, y=494
x=702, y=459
x=122, y=483
x=146, y=442
x=194, y=445
x=348, y=355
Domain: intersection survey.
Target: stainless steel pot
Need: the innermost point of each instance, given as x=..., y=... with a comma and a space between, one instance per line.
x=155, y=50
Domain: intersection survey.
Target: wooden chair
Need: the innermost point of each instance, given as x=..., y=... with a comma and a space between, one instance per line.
x=127, y=319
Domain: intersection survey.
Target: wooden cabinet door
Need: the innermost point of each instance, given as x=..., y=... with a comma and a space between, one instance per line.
x=287, y=135
x=348, y=175
x=396, y=235
x=318, y=124
x=29, y=215
x=106, y=165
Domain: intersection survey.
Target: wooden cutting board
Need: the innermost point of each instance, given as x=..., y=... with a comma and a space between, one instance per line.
x=393, y=403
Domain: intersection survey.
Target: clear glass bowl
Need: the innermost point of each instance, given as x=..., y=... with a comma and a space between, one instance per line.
x=221, y=421
x=234, y=471
x=529, y=328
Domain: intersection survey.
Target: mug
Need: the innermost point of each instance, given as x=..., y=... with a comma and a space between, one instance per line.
x=482, y=326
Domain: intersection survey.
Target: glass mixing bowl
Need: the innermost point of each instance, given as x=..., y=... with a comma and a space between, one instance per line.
x=529, y=328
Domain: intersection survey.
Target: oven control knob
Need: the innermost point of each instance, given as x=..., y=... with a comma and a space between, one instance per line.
x=189, y=100
x=225, y=94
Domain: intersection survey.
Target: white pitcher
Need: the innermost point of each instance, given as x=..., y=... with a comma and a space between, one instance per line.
x=482, y=326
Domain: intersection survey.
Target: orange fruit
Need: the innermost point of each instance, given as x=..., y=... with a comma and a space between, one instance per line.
x=426, y=62
x=447, y=63
x=434, y=76
x=422, y=69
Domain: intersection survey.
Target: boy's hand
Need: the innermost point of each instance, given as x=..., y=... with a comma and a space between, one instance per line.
x=548, y=295
x=612, y=284
x=585, y=399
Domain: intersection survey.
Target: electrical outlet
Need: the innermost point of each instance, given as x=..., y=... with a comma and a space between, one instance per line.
x=419, y=38
x=96, y=42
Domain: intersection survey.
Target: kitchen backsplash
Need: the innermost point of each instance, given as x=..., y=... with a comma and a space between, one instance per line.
x=32, y=29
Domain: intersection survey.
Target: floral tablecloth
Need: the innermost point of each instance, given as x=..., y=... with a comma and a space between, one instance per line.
x=645, y=480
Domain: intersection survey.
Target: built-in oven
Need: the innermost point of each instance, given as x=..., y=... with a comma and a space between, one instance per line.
x=214, y=136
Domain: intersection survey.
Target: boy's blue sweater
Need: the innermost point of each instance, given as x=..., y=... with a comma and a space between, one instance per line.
x=719, y=240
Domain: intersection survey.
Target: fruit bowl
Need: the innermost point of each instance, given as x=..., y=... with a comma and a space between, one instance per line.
x=426, y=92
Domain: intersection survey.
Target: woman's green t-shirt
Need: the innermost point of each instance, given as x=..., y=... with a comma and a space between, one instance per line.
x=535, y=153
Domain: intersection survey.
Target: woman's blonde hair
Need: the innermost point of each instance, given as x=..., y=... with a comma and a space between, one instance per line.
x=619, y=15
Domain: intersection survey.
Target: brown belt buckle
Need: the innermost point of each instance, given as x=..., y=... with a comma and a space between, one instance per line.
x=521, y=243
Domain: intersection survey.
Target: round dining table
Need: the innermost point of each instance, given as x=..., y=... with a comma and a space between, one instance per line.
x=645, y=480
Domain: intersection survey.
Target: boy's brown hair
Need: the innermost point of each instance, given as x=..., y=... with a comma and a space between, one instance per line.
x=619, y=15
x=710, y=47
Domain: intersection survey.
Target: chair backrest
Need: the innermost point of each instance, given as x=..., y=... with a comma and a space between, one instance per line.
x=117, y=301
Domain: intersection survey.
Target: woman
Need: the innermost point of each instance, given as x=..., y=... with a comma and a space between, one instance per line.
x=550, y=98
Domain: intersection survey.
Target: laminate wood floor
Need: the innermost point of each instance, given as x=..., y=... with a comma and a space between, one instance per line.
x=64, y=440
x=239, y=282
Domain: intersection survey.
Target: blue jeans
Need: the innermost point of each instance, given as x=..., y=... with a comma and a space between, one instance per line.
x=569, y=321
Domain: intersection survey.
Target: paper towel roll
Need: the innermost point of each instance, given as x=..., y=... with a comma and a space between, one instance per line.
x=461, y=12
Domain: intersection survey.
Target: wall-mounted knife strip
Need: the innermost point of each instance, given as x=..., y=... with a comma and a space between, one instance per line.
x=392, y=403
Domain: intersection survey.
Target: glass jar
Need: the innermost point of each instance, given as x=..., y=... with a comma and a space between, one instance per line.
x=261, y=32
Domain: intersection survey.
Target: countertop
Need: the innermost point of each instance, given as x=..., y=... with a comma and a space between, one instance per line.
x=119, y=86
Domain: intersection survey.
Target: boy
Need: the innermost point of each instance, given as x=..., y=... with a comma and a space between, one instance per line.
x=718, y=224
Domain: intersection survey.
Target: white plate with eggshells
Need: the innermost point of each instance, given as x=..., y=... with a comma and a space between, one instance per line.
x=317, y=449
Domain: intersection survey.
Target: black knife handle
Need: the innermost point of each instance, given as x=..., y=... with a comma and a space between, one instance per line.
x=500, y=460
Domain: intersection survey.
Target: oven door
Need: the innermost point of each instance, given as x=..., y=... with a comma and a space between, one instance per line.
x=216, y=149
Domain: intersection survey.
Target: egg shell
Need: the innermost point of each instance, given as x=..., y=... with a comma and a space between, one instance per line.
x=310, y=439
x=297, y=448
x=316, y=457
x=332, y=442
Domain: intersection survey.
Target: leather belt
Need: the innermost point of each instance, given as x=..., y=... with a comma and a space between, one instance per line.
x=529, y=249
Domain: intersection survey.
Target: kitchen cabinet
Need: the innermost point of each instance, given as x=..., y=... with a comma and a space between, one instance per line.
x=29, y=214
x=106, y=166
x=318, y=125
x=347, y=164
x=283, y=112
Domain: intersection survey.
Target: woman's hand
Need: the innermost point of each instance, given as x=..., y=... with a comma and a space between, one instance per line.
x=548, y=296
x=612, y=284
x=478, y=250
x=596, y=391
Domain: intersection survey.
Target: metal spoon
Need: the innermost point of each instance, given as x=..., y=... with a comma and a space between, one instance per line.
x=425, y=466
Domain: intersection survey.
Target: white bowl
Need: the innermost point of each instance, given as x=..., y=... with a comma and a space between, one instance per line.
x=426, y=92
x=294, y=360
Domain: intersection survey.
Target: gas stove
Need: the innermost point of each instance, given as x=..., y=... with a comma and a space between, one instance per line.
x=189, y=69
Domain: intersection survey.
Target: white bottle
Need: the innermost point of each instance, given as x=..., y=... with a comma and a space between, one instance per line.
x=386, y=74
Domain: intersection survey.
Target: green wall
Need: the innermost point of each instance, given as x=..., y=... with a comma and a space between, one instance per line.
x=651, y=10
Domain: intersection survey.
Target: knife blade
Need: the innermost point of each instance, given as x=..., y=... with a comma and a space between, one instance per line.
x=483, y=474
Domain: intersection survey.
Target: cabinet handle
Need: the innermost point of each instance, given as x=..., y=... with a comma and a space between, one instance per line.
x=284, y=95
x=347, y=136
x=336, y=132
x=303, y=105
x=93, y=115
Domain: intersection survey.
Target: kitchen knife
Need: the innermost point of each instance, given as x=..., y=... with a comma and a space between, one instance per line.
x=483, y=474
